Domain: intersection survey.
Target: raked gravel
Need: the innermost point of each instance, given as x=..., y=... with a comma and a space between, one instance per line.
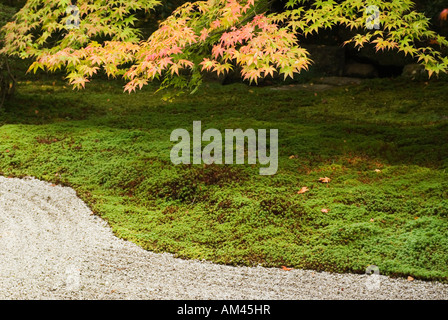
x=53, y=247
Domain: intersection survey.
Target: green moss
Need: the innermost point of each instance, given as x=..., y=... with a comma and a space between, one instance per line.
x=384, y=144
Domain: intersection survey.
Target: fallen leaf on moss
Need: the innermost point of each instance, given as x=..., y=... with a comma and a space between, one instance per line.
x=324, y=180
x=303, y=190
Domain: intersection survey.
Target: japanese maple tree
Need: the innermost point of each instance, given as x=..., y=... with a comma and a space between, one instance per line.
x=213, y=35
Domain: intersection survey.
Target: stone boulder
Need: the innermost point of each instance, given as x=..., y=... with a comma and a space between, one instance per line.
x=414, y=70
x=327, y=60
x=361, y=70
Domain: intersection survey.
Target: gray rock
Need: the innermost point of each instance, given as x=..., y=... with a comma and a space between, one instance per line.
x=362, y=70
x=328, y=60
x=414, y=70
x=383, y=58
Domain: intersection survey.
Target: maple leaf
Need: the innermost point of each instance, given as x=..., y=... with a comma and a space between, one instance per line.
x=324, y=210
x=288, y=71
x=204, y=34
x=252, y=74
x=174, y=69
x=286, y=268
x=186, y=63
x=79, y=81
x=218, y=51
x=207, y=64
x=324, y=180
x=269, y=70
x=216, y=24
x=163, y=63
x=303, y=190
x=130, y=86
x=91, y=71
x=221, y=68
x=96, y=60
x=269, y=43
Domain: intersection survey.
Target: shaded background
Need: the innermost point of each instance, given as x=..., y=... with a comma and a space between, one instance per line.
x=329, y=56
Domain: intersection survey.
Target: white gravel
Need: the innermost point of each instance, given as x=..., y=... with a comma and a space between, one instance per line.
x=53, y=247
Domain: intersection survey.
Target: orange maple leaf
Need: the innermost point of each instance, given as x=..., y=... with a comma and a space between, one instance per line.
x=204, y=34
x=303, y=190
x=216, y=24
x=218, y=50
x=286, y=269
x=324, y=180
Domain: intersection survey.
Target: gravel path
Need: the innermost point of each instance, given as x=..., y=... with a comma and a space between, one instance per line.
x=53, y=247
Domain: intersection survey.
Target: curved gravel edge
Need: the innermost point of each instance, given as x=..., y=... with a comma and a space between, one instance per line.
x=53, y=247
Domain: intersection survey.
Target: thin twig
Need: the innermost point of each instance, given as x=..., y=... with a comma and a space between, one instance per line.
x=9, y=72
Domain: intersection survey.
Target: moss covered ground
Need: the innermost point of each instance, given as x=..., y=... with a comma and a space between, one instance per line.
x=383, y=144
